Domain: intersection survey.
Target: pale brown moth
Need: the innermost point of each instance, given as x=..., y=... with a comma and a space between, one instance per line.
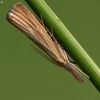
x=24, y=20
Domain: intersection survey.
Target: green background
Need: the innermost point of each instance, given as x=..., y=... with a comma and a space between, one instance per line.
x=26, y=75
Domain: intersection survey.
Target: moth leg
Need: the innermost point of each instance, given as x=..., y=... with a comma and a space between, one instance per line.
x=52, y=36
x=64, y=55
x=42, y=23
x=62, y=52
x=42, y=20
x=73, y=62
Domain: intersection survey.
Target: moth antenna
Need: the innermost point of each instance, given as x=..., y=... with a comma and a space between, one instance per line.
x=81, y=71
x=78, y=68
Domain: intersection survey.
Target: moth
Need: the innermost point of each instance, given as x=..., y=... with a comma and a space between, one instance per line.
x=24, y=20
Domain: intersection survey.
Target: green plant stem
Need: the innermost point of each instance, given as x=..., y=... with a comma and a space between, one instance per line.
x=66, y=39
